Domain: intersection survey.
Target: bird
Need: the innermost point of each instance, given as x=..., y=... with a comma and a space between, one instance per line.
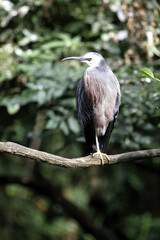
x=98, y=98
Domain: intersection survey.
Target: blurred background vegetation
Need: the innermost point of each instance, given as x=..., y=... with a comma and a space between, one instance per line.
x=38, y=110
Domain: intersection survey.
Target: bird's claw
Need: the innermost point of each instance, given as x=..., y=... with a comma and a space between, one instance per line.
x=101, y=156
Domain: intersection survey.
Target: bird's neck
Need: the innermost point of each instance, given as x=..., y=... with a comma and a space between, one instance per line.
x=98, y=68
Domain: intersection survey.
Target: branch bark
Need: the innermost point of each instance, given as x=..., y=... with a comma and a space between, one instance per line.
x=19, y=150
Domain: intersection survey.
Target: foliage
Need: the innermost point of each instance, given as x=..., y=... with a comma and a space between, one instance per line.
x=146, y=72
x=38, y=110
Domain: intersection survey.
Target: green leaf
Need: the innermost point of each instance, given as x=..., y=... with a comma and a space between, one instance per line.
x=63, y=126
x=146, y=72
x=41, y=97
x=53, y=121
x=13, y=108
x=73, y=124
x=52, y=44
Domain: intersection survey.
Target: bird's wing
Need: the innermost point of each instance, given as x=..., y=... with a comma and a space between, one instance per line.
x=116, y=109
x=104, y=140
x=86, y=117
x=84, y=110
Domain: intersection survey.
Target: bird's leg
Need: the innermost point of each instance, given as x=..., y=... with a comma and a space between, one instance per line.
x=100, y=153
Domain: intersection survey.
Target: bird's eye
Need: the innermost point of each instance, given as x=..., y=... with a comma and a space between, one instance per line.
x=89, y=59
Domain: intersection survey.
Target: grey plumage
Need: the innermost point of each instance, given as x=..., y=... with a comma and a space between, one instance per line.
x=98, y=99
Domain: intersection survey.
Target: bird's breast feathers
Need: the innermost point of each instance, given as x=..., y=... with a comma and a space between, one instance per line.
x=93, y=89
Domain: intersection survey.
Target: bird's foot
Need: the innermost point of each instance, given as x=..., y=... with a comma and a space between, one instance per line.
x=101, y=156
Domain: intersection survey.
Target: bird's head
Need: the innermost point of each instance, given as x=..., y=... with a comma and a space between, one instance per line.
x=92, y=59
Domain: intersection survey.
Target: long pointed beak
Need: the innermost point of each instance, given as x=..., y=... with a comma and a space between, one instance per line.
x=74, y=58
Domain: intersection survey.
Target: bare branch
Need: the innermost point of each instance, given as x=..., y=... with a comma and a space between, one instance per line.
x=19, y=150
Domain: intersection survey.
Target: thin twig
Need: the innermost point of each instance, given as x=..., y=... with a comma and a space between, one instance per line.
x=156, y=4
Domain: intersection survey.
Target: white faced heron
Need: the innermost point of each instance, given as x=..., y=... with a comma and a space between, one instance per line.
x=98, y=100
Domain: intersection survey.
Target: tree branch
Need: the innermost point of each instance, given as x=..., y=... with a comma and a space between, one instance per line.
x=19, y=150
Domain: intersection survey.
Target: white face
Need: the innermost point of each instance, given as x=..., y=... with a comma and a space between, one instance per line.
x=92, y=59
